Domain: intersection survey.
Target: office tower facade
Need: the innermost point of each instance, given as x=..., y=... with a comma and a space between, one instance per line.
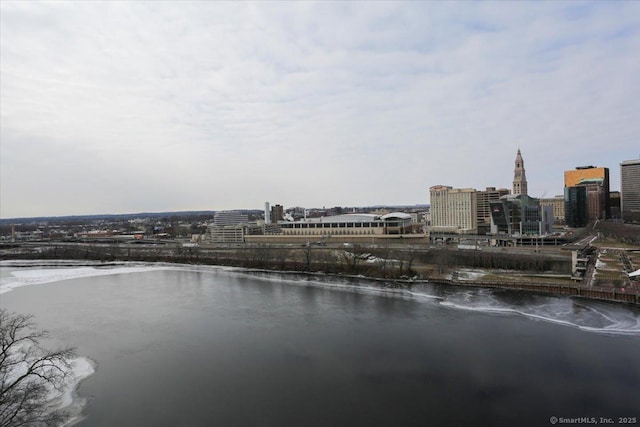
x=614, y=202
x=596, y=206
x=277, y=213
x=557, y=206
x=485, y=197
x=596, y=179
x=547, y=219
x=454, y=209
x=267, y=213
x=518, y=214
x=630, y=190
x=575, y=206
x=223, y=218
x=519, y=177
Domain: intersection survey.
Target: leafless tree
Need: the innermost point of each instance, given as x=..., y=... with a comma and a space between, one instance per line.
x=351, y=257
x=406, y=258
x=27, y=374
x=308, y=255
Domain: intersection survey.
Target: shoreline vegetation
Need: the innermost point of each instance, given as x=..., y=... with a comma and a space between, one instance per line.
x=397, y=266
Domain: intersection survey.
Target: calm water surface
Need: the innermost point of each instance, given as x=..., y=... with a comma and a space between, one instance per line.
x=204, y=347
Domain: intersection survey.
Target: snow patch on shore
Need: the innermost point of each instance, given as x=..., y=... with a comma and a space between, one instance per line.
x=60, y=395
x=80, y=368
x=468, y=274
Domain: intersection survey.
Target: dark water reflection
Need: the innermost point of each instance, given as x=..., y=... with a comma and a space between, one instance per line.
x=181, y=348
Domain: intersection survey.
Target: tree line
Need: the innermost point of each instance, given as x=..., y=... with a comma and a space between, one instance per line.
x=380, y=261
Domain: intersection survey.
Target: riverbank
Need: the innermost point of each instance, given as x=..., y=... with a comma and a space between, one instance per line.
x=399, y=265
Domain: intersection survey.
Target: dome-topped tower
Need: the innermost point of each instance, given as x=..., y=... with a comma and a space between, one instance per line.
x=519, y=177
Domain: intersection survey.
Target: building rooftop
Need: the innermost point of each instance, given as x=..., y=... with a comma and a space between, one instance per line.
x=346, y=218
x=362, y=217
x=400, y=215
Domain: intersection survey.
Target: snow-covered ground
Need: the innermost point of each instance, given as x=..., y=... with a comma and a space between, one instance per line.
x=468, y=274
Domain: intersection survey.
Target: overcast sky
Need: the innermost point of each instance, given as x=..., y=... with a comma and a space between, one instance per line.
x=135, y=107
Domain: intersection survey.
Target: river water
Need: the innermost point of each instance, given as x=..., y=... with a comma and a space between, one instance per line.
x=203, y=346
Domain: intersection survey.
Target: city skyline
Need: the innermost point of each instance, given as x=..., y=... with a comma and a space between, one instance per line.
x=148, y=107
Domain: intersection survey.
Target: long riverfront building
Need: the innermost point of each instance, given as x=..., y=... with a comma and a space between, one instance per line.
x=350, y=224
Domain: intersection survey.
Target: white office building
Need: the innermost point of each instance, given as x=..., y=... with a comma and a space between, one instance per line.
x=453, y=210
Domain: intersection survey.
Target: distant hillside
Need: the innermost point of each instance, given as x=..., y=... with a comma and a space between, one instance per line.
x=177, y=215
x=104, y=217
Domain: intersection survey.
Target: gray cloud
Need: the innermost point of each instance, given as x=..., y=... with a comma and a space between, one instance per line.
x=123, y=107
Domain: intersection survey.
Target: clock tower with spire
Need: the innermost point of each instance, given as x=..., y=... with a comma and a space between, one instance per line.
x=519, y=177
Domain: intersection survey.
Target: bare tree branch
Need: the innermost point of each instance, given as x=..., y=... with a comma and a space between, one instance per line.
x=28, y=372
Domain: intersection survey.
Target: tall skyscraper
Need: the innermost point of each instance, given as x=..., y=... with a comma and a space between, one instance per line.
x=597, y=182
x=519, y=177
x=630, y=190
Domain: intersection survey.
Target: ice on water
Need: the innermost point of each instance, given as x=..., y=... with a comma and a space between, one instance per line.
x=26, y=276
x=588, y=315
x=68, y=400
